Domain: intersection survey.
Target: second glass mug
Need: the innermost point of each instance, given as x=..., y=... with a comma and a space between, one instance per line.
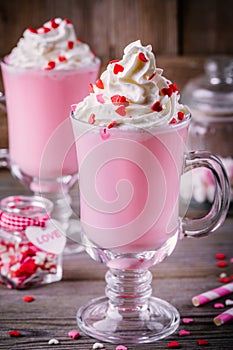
x=38, y=106
x=129, y=200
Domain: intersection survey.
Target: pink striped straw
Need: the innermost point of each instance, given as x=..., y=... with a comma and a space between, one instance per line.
x=212, y=294
x=224, y=317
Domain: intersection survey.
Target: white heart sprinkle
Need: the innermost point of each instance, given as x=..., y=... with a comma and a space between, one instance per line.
x=53, y=341
x=97, y=346
x=228, y=302
x=222, y=275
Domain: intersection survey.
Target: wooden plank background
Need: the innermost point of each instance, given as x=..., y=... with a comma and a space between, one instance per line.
x=182, y=32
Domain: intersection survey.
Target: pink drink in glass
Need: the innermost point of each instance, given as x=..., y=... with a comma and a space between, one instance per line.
x=129, y=184
x=38, y=102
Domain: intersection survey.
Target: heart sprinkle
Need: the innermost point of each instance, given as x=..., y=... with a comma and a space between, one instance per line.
x=53, y=341
x=121, y=347
x=187, y=320
x=157, y=107
x=50, y=65
x=220, y=256
x=91, y=89
x=142, y=57
x=14, y=333
x=174, y=87
x=62, y=59
x=54, y=25
x=118, y=68
x=32, y=30
x=183, y=333
x=173, y=121
x=167, y=91
x=202, y=342
x=104, y=134
x=91, y=119
x=74, y=334
x=28, y=298
x=221, y=264
x=173, y=345
x=100, y=98
x=97, y=346
x=121, y=111
x=99, y=84
x=224, y=279
x=180, y=115
x=219, y=306
x=112, y=124
x=70, y=45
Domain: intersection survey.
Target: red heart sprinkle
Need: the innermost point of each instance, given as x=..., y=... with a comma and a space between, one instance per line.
x=118, y=68
x=220, y=256
x=32, y=30
x=28, y=298
x=221, y=264
x=91, y=119
x=70, y=44
x=152, y=76
x=180, y=115
x=142, y=57
x=54, y=25
x=167, y=91
x=202, y=342
x=173, y=345
x=113, y=61
x=46, y=29
x=67, y=21
x=99, y=84
x=118, y=100
x=14, y=333
x=174, y=87
x=121, y=111
x=157, y=107
x=62, y=58
x=91, y=89
x=172, y=121
x=50, y=65
x=112, y=124
x=224, y=279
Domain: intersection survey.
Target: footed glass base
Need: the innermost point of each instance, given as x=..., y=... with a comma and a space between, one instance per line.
x=102, y=321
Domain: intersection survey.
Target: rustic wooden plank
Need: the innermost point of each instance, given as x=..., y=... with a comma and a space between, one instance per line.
x=190, y=270
x=207, y=27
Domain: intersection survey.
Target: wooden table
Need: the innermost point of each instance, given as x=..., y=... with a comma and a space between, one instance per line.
x=191, y=269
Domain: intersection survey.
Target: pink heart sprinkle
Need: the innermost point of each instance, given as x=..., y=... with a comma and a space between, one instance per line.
x=219, y=306
x=73, y=107
x=121, y=111
x=187, y=320
x=183, y=333
x=91, y=119
x=121, y=347
x=104, y=134
x=73, y=334
x=100, y=98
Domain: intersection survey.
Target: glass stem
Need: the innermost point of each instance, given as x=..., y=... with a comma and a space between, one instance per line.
x=128, y=291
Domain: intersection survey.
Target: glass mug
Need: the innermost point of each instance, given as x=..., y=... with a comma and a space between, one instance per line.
x=129, y=182
x=38, y=106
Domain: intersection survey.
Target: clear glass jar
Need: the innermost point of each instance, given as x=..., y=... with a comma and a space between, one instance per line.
x=210, y=99
x=23, y=263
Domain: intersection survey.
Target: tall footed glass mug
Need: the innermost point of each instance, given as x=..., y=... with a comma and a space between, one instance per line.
x=130, y=170
x=44, y=74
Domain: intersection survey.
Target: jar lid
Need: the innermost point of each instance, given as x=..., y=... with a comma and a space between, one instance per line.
x=26, y=205
x=212, y=92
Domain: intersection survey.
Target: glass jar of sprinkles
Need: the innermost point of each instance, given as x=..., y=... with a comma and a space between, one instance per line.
x=30, y=242
x=210, y=98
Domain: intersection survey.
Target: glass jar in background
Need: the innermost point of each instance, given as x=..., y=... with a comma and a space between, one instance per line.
x=210, y=98
x=30, y=244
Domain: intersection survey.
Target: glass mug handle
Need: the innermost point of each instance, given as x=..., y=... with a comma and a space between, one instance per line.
x=203, y=226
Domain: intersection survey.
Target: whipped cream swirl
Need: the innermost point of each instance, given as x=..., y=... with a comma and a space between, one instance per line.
x=132, y=91
x=52, y=46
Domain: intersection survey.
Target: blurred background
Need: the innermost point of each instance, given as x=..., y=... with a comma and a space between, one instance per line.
x=182, y=32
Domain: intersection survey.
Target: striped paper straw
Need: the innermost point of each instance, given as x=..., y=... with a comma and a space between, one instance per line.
x=224, y=317
x=212, y=294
